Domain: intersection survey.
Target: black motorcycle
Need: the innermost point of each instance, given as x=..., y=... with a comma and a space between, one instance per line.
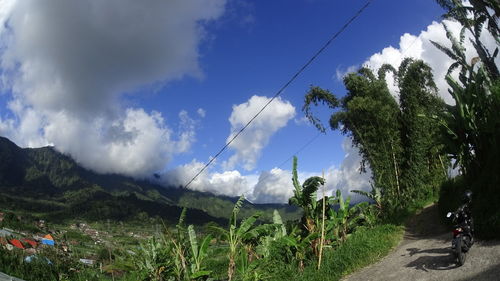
x=462, y=234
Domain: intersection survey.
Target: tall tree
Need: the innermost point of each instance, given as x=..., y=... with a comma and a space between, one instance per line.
x=399, y=142
x=369, y=116
x=422, y=168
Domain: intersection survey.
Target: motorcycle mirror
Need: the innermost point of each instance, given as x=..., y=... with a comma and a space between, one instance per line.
x=448, y=215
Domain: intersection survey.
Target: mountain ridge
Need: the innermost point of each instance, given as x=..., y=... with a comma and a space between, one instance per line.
x=50, y=183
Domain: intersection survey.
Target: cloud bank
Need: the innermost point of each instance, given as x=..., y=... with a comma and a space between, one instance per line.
x=68, y=64
x=274, y=186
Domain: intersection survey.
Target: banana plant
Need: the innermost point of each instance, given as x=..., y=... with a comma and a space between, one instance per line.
x=301, y=246
x=248, y=270
x=374, y=195
x=153, y=259
x=305, y=197
x=343, y=220
x=235, y=234
x=178, y=251
x=198, y=254
x=278, y=231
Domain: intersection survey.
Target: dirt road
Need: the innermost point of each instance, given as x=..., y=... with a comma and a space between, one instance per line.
x=425, y=254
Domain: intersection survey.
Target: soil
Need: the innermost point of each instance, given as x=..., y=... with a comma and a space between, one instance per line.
x=425, y=254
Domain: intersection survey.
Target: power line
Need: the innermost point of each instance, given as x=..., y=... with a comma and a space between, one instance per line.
x=282, y=89
x=309, y=142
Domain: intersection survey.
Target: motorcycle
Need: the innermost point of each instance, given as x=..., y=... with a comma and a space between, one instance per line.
x=462, y=235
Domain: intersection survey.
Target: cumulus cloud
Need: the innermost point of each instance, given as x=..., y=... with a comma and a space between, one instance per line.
x=340, y=72
x=230, y=183
x=348, y=176
x=250, y=143
x=67, y=64
x=420, y=47
x=274, y=186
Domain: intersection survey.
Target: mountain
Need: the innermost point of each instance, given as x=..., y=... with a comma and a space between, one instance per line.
x=53, y=185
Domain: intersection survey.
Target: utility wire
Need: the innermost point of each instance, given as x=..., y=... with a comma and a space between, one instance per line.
x=309, y=142
x=282, y=89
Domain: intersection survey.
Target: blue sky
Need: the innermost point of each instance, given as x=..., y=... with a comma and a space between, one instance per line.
x=258, y=57
x=141, y=89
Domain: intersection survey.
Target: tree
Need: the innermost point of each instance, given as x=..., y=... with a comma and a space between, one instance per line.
x=369, y=115
x=422, y=167
x=399, y=142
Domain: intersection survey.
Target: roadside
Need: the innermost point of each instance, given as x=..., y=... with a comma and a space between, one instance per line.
x=5, y=277
x=425, y=254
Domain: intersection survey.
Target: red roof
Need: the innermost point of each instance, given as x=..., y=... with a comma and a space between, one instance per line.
x=31, y=242
x=16, y=243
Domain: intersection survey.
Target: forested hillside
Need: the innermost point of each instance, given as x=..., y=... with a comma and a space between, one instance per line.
x=46, y=182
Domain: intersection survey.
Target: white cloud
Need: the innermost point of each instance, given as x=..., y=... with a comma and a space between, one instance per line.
x=67, y=64
x=274, y=186
x=230, y=183
x=340, y=72
x=250, y=143
x=302, y=121
x=201, y=112
x=420, y=47
x=348, y=176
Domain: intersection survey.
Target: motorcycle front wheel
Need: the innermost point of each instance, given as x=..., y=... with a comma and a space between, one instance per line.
x=459, y=251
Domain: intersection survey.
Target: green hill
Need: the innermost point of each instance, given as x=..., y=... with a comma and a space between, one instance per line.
x=50, y=184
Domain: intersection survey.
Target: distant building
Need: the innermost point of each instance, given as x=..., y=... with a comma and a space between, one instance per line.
x=48, y=240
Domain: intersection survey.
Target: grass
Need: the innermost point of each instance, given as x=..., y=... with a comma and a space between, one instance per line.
x=364, y=247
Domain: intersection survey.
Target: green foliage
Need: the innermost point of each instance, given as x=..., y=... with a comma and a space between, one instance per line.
x=471, y=125
x=198, y=254
x=301, y=246
x=305, y=197
x=399, y=142
x=47, y=265
x=473, y=15
x=363, y=247
x=153, y=260
x=13, y=221
x=421, y=163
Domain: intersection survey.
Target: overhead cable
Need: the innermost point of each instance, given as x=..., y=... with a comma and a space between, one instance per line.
x=332, y=38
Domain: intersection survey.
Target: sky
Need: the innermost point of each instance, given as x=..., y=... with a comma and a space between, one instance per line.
x=159, y=87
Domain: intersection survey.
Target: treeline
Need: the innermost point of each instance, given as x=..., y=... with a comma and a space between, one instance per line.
x=409, y=142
